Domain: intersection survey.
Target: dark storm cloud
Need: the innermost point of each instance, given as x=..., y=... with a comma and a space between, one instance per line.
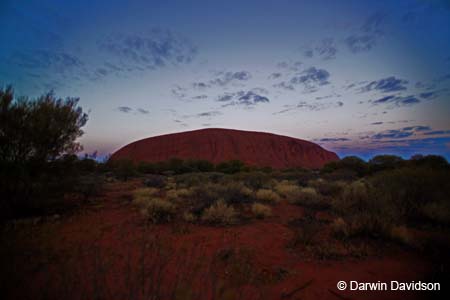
x=385, y=85
x=156, y=49
x=376, y=123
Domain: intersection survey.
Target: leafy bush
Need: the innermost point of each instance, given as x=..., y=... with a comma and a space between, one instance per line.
x=220, y=213
x=261, y=211
x=267, y=195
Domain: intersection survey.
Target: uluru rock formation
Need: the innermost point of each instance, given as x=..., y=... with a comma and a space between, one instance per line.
x=218, y=145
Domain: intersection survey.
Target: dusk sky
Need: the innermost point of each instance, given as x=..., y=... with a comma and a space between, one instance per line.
x=357, y=77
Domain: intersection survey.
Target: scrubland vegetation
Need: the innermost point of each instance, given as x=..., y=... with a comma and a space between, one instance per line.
x=349, y=208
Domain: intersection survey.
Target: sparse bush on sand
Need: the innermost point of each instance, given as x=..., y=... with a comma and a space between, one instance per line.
x=288, y=190
x=267, y=195
x=308, y=197
x=158, y=210
x=152, y=207
x=220, y=213
x=261, y=211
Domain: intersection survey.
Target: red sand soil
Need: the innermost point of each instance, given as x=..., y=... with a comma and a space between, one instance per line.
x=107, y=251
x=218, y=145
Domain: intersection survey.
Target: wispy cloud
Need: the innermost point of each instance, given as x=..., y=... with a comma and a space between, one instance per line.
x=155, y=49
x=385, y=85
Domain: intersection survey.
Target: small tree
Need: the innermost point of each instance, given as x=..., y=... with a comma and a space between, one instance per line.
x=35, y=136
x=38, y=130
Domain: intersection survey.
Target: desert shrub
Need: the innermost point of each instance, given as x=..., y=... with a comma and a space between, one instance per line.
x=401, y=234
x=410, y=189
x=261, y=211
x=220, y=213
x=305, y=234
x=384, y=162
x=267, y=195
x=438, y=212
x=309, y=197
x=147, y=168
x=195, y=179
x=231, y=167
x=157, y=181
x=89, y=185
x=364, y=211
x=143, y=195
x=158, y=210
x=124, y=169
x=327, y=188
x=352, y=163
x=288, y=190
x=189, y=217
x=340, y=228
x=178, y=194
x=254, y=180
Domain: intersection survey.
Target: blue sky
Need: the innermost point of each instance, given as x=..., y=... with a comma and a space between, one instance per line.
x=357, y=77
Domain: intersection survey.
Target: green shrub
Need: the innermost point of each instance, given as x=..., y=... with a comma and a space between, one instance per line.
x=220, y=213
x=261, y=211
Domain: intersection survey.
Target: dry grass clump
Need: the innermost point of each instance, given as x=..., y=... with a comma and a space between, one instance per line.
x=340, y=228
x=189, y=217
x=437, y=212
x=178, y=194
x=401, y=234
x=267, y=195
x=363, y=211
x=220, y=213
x=288, y=190
x=158, y=210
x=308, y=196
x=261, y=211
x=142, y=195
x=153, y=208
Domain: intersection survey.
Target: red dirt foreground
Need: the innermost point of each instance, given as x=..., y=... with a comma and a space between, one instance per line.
x=107, y=251
x=219, y=145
